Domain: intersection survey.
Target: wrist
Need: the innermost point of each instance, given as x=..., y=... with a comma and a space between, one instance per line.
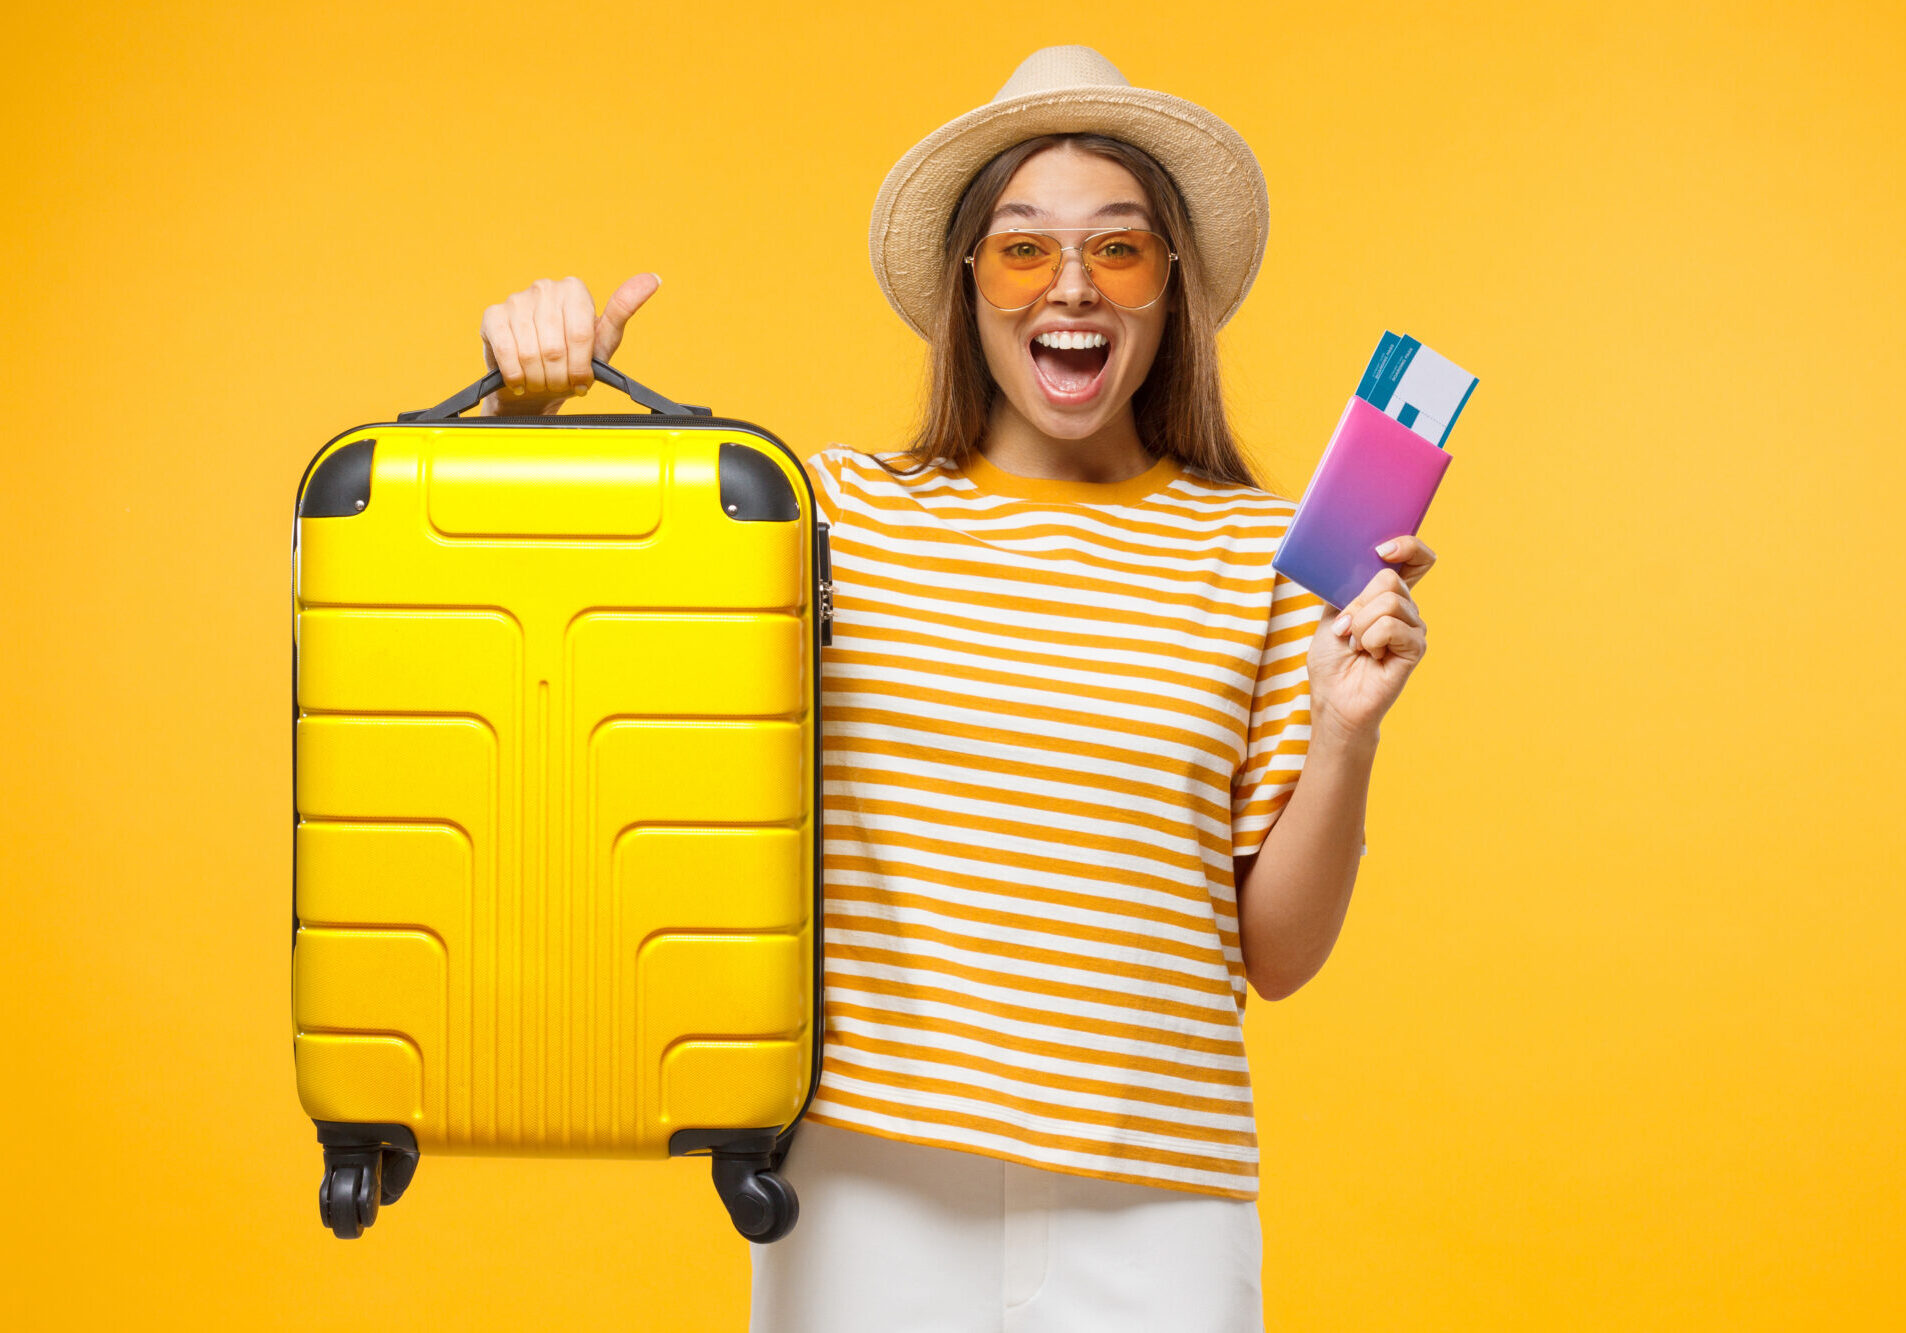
x=1329, y=731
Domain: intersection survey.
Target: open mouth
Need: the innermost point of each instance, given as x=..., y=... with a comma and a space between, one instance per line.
x=1069, y=373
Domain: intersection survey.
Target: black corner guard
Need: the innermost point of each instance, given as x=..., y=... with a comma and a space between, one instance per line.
x=753, y=487
x=341, y=487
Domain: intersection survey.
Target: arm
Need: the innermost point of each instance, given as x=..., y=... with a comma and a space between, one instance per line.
x=1292, y=903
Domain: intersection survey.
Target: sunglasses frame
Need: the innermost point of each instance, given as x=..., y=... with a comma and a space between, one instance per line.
x=1171, y=258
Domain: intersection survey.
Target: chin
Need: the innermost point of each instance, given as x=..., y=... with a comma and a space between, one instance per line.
x=1069, y=426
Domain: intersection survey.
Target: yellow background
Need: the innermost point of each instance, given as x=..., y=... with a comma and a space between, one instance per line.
x=1615, y=1035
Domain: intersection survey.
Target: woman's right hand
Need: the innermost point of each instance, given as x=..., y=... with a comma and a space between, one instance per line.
x=543, y=337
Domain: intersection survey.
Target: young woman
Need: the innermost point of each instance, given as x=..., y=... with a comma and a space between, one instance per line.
x=1067, y=702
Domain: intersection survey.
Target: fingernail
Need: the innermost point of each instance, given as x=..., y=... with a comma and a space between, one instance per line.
x=1387, y=549
x=1342, y=621
x=657, y=277
x=518, y=391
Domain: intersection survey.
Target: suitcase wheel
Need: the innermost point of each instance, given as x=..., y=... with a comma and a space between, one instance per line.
x=780, y=1207
x=399, y=1166
x=349, y=1195
x=760, y=1201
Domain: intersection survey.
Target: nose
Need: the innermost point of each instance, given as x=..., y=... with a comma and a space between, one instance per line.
x=1072, y=286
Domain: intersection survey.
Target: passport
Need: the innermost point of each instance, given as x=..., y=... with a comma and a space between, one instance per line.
x=1379, y=472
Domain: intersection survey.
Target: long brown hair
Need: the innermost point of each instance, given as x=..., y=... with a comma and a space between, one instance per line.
x=1179, y=409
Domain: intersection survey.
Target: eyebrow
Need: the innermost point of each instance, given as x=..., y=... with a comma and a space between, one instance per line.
x=1023, y=210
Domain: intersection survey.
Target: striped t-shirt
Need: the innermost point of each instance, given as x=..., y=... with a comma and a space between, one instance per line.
x=1053, y=712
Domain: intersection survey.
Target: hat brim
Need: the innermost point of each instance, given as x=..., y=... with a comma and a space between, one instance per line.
x=1214, y=169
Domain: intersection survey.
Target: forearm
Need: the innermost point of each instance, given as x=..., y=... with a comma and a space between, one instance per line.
x=1293, y=895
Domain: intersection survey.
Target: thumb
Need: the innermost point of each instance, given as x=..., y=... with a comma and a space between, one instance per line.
x=622, y=303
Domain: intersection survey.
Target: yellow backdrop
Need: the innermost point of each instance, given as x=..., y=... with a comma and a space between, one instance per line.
x=1615, y=1036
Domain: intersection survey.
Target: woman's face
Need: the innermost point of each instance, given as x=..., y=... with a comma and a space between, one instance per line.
x=1070, y=395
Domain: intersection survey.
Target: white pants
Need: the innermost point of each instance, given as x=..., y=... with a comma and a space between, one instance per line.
x=903, y=1238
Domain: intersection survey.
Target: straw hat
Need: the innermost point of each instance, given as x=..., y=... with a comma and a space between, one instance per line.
x=1067, y=89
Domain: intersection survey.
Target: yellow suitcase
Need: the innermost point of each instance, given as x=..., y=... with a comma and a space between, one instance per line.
x=556, y=751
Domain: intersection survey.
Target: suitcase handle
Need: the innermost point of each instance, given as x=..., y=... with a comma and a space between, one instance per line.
x=465, y=399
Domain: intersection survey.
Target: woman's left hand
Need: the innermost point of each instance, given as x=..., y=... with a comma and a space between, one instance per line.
x=1356, y=673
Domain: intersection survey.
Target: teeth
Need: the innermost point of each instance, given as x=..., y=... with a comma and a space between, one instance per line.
x=1068, y=341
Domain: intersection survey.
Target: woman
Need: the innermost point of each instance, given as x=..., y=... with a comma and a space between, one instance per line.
x=1067, y=701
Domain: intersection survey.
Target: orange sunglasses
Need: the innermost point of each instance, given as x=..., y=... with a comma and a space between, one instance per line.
x=1012, y=269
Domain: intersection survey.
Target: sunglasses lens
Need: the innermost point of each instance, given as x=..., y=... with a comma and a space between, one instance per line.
x=1013, y=268
x=1129, y=267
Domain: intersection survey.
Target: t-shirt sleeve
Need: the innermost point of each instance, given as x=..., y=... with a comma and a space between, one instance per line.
x=824, y=471
x=1279, y=733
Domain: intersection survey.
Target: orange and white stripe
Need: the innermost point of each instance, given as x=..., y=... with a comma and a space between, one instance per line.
x=1053, y=713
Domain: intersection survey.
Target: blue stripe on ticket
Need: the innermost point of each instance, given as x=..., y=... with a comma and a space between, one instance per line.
x=1386, y=368
x=1459, y=407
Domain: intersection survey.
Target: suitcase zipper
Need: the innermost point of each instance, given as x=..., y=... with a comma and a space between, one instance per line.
x=827, y=588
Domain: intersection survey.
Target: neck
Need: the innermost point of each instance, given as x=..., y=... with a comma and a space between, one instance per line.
x=1111, y=453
